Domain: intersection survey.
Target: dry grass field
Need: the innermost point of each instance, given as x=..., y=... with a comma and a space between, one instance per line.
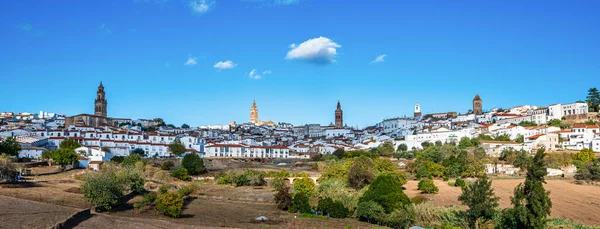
x=580, y=203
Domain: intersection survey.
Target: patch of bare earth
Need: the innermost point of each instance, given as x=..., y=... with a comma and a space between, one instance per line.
x=19, y=213
x=580, y=203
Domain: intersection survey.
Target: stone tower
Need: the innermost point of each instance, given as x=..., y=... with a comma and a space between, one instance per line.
x=417, y=110
x=100, y=103
x=339, y=116
x=254, y=113
x=477, y=105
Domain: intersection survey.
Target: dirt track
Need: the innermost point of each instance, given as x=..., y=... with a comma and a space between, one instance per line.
x=19, y=213
x=580, y=203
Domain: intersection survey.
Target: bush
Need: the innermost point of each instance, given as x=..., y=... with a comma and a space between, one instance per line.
x=117, y=159
x=167, y=165
x=333, y=208
x=182, y=174
x=164, y=189
x=427, y=186
x=247, y=178
x=338, y=191
x=185, y=191
x=361, y=172
x=300, y=204
x=193, y=163
x=170, y=204
x=419, y=199
x=384, y=165
x=283, y=198
x=131, y=159
x=386, y=191
x=162, y=176
x=460, y=183
x=148, y=199
x=8, y=170
x=304, y=186
x=103, y=190
x=369, y=211
x=277, y=183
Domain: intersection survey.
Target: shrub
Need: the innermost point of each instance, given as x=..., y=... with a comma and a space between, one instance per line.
x=460, y=183
x=419, y=199
x=446, y=179
x=337, y=190
x=283, y=198
x=103, y=190
x=277, y=183
x=361, y=172
x=336, y=170
x=369, y=211
x=167, y=165
x=304, y=186
x=164, y=189
x=8, y=170
x=185, y=191
x=481, y=200
x=117, y=159
x=170, y=204
x=182, y=174
x=148, y=199
x=131, y=179
x=427, y=186
x=254, y=178
x=300, y=204
x=131, y=159
x=193, y=163
x=386, y=191
x=333, y=208
x=384, y=165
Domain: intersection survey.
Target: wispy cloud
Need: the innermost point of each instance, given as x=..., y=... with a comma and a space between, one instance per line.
x=320, y=50
x=28, y=28
x=380, y=58
x=273, y=2
x=223, y=65
x=104, y=28
x=191, y=61
x=256, y=76
x=201, y=6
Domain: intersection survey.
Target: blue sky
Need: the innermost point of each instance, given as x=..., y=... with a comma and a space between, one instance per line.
x=192, y=61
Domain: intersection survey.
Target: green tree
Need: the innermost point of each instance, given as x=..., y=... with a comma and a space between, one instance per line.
x=427, y=186
x=64, y=156
x=585, y=155
x=531, y=202
x=361, y=173
x=402, y=148
x=520, y=138
x=384, y=165
x=139, y=151
x=589, y=172
x=334, y=208
x=304, y=186
x=10, y=146
x=131, y=159
x=527, y=123
x=369, y=211
x=176, y=147
x=339, y=153
x=193, y=163
x=425, y=144
x=300, y=204
x=283, y=198
x=432, y=153
x=185, y=126
x=480, y=199
x=386, y=149
x=69, y=143
x=593, y=99
x=385, y=191
x=103, y=190
x=182, y=174
x=465, y=142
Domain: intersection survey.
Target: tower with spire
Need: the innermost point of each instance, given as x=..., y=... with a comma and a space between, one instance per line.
x=254, y=113
x=339, y=116
x=100, y=103
x=477, y=105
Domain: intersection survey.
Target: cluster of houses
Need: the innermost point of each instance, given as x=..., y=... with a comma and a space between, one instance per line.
x=45, y=131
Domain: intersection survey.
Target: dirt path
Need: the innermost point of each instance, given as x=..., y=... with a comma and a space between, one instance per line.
x=580, y=203
x=19, y=213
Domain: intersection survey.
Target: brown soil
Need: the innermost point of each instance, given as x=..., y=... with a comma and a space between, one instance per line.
x=19, y=213
x=579, y=203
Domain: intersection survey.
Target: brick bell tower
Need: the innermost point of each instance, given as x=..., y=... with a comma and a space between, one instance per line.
x=339, y=116
x=100, y=103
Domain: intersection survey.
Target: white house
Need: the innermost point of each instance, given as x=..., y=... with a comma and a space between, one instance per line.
x=32, y=152
x=557, y=111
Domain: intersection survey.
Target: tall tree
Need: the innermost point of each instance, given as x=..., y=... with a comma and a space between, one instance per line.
x=185, y=126
x=176, y=147
x=480, y=199
x=69, y=143
x=193, y=163
x=593, y=99
x=64, y=156
x=402, y=148
x=531, y=202
x=139, y=151
x=10, y=146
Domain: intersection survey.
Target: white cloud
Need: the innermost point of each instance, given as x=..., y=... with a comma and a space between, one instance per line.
x=191, y=61
x=255, y=76
x=379, y=58
x=222, y=65
x=320, y=50
x=24, y=27
x=201, y=6
x=105, y=29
